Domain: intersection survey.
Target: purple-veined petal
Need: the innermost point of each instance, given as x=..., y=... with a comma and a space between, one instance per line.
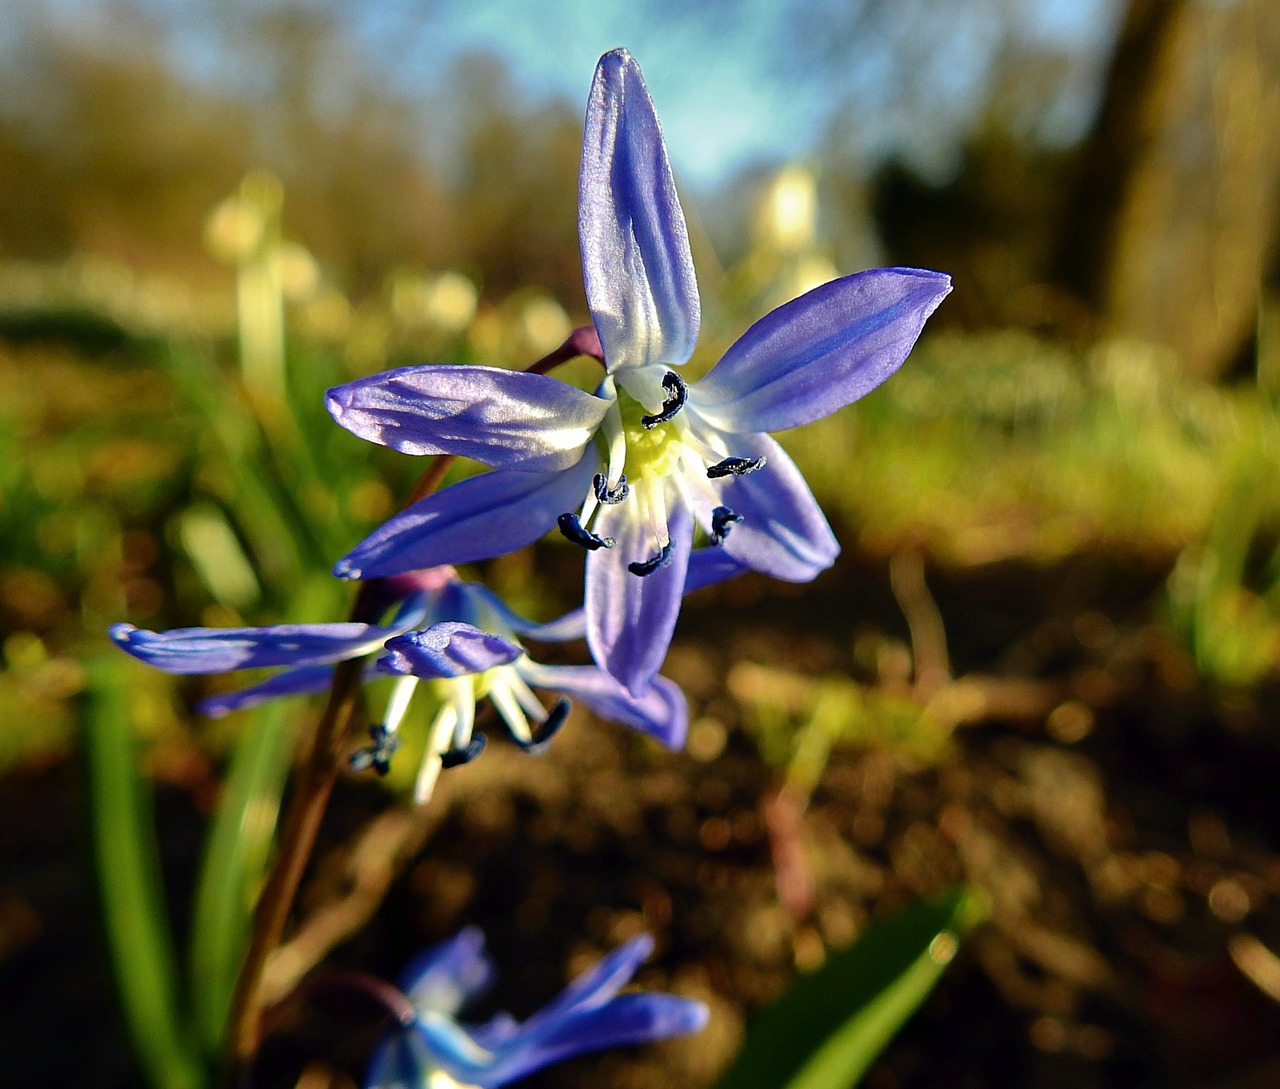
x=447, y=1045
x=507, y=419
x=495, y=1032
x=306, y=681
x=626, y=1019
x=709, y=566
x=475, y=519
x=573, y=625
x=446, y=650
x=219, y=650
x=821, y=351
x=395, y=1064
x=449, y=974
x=599, y=983
x=630, y=618
x=783, y=532
x=636, y=262
x=563, y=629
x=661, y=712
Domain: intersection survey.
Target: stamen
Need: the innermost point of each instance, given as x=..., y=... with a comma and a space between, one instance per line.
x=451, y=758
x=441, y=732
x=549, y=727
x=525, y=698
x=508, y=706
x=722, y=520
x=656, y=563
x=734, y=467
x=677, y=394
x=614, y=432
x=571, y=527
x=378, y=755
x=605, y=494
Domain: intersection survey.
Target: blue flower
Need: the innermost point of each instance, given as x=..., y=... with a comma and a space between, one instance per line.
x=465, y=669
x=307, y=651
x=455, y=635
x=627, y=472
x=436, y=1051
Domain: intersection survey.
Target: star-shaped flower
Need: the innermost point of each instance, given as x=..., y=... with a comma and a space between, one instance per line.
x=436, y=1050
x=627, y=472
x=456, y=635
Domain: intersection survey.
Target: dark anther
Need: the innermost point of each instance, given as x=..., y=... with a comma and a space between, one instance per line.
x=722, y=520
x=451, y=758
x=677, y=394
x=734, y=467
x=657, y=563
x=549, y=727
x=378, y=755
x=571, y=526
x=605, y=494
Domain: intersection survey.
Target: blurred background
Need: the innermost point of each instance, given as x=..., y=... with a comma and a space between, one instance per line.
x=1046, y=665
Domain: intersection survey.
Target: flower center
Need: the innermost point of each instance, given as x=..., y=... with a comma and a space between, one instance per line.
x=660, y=449
x=653, y=450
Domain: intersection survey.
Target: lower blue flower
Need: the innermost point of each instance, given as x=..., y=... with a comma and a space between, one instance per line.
x=437, y=1051
x=456, y=636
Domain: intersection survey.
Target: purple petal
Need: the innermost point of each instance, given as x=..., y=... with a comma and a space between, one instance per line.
x=394, y=1064
x=503, y=418
x=821, y=351
x=630, y=618
x=495, y=1032
x=564, y=629
x=446, y=650
x=627, y=1019
x=443, y=1043
x=573, y=625
x=218, y=650
x=475, y=519
x=709, y=566
x=661, y=712
x=449, y=974
x=309, y=680
x=598, y=984
x=635, y=248
x=783, y=532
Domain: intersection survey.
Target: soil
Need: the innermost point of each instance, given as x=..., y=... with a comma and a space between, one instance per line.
x=1117, y=812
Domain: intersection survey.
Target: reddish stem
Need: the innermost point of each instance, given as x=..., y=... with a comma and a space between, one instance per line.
x=389, y=997
x=582, y=341
x=320, y=771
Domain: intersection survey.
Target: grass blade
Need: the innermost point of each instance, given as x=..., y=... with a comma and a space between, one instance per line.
x=827, y=1030
x=236, y=855
x=127, y=858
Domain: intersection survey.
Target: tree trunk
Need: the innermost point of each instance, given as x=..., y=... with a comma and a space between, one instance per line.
x=1177, y=208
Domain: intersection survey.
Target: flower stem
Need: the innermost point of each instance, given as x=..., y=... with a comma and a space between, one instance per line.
x=389, y=997
x=320, y=771
x=302, y=823
x=429, y=481
x=582, y=341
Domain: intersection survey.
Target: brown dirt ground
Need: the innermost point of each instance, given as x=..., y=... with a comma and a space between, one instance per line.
x=1118, y=814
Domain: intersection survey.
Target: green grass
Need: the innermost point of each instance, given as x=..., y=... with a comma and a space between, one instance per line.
x=145, y=484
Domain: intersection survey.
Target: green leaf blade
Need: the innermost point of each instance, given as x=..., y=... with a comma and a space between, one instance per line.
x=831, y=1025
x=236, y=856
x=127, y=858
